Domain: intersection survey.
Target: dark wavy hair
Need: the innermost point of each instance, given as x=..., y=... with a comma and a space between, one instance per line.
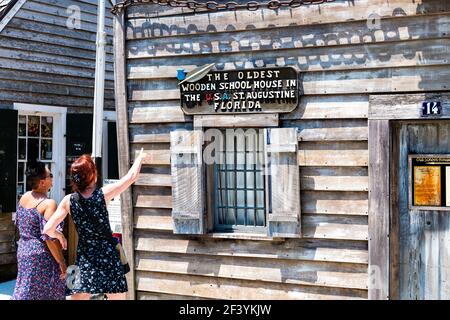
x=82, y=173
x=35, y=172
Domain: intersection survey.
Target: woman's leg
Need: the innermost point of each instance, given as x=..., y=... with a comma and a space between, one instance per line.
x=80, y=296
x=116, y=296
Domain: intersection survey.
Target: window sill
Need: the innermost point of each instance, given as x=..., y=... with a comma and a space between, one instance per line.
x=242, y=236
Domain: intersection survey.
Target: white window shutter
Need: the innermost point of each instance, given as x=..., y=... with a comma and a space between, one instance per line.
x=284, y=218
x=188, y=194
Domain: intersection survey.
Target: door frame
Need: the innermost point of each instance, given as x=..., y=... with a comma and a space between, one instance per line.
x=384, y=111
x=58, y=147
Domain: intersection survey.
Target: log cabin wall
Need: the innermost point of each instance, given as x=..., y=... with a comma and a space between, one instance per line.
x=44, y=62
x=341, y=58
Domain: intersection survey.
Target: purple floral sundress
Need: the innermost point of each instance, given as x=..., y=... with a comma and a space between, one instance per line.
x=38, y=272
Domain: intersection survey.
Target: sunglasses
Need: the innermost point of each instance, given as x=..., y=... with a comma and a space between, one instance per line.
x=49, y=176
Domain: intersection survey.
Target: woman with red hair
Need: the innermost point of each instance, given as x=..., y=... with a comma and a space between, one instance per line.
x=98, y=264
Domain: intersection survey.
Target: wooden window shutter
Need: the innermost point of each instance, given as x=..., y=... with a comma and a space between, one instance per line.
x=284, y=218
x=8, y=160
x=188, y=197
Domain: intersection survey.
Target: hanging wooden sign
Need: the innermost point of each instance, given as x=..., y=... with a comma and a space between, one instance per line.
x=268, y=90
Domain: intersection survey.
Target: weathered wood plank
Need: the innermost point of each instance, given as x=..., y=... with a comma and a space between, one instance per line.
x=330, y=130
x=330, y=107
x=148, y=113
x=153, y=201
x=27, y=55
x=402, y=53
x=154, y=157
x=8, y=258
x=255, y=269
x=339, y=202
x=411, y=79
x=335, y=227
x=296, y=37
x=153, y=219
x=49, y=68
x=7, y=247
x=49, y=99
x=236, y=120
x=123, y=146
x=43, y=47
x=141, y=295
x=154, y=179
x=150, y=138
x=379, y=208
x=332, y=158
x=210, y=287
x=314, y=250
x=334, y=179
x=406, y=106
x=48, y=78
x=304, y=15
x=52, y=89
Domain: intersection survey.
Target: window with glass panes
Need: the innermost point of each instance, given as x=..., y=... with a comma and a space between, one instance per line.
x=239, y=182
x=35, y=142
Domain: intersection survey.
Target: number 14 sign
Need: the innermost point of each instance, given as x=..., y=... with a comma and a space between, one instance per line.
x=432, y=108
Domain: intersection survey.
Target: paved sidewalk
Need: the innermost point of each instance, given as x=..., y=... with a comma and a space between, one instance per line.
x=7, y=289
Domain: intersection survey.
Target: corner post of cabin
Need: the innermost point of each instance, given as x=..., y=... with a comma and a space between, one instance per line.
x=379, y=208
x=123, y=144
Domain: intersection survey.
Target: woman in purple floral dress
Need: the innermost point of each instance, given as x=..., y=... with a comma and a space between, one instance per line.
x=41, y=266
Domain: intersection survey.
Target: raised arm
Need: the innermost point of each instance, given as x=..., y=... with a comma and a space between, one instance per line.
x=113, y=190
x=59, y=215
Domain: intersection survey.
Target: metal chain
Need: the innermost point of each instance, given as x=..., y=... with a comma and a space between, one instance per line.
x=215, y=6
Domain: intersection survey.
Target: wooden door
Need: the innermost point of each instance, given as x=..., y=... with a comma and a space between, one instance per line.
x=421, y=261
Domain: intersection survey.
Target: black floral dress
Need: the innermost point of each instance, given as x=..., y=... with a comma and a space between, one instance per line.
x=97, y=268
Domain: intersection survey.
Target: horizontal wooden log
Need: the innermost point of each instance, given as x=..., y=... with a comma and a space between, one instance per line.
x=314, y=226
x=8, y=258
x=149, y=179
x=39, y=36
x=236, y=120
x=311, y=250
x=34, y=11
x=334, y=179
x=328, y=202
x=336, y=57
x=154, y=157
x=212, y=287
x=7, y=247
x=255, y=269
x=153, y=219
x=48, y=78
x=333, y=157
x=330, y=130
x=409, y=106
x=150, y=138
x=329, y=13
x=334, y=37
x=28, y=55
x=153, y=201
x=43, y=47
x=50, y=69
x=54, y=89
x=335, y=227
x=51, y=100
x=140, y=113
x=330, y=107
x=141, y=295
x=88, y=8
x=141, y=87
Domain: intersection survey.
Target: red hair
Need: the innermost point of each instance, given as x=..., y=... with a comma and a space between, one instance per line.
x=82, y=173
